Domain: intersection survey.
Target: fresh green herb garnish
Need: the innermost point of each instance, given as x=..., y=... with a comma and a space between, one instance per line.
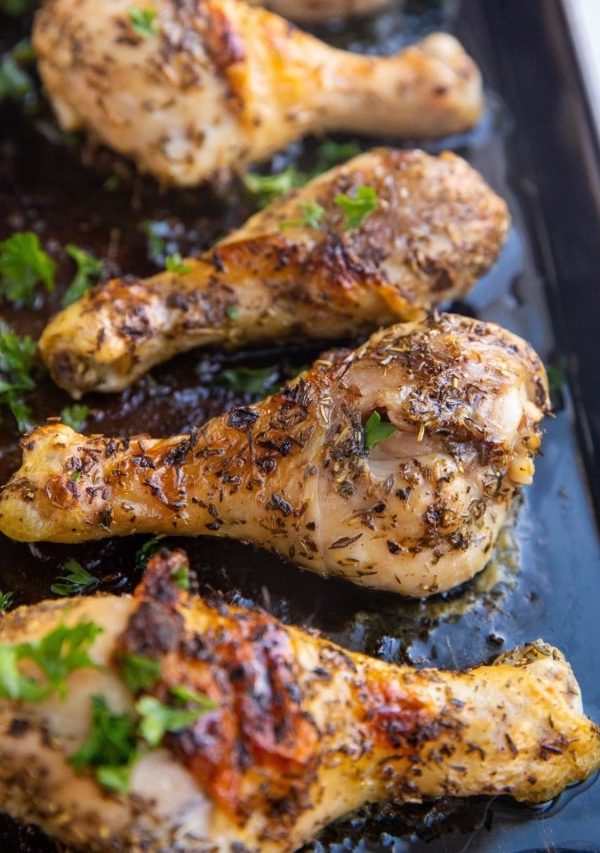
x=110, y=748
x=143, y=21
x=157, y=719
x=17, y=363
x=251, y=380
x=312, y=214
x=232, y=312
x=377, y=430
x=147, y=550
x=184, y=694
x=174, y=263
x=269, y=187
x=116, y=741
x=88, y=269
x=139, y=673
x=56, y=655
x=75, y=581
x=15, y=8
x=181, y=577
x=331, y=153
x=23, y=263
x=14, y=81
x=75, y=416
x=5, y=601
x=359, y=207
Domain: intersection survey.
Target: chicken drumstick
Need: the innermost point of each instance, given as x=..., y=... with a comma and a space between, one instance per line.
x=168, y=723
x=412, y=505
x=436, y=229
x=211, y=85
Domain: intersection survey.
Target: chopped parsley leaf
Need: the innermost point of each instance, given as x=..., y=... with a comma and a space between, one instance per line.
x=15, y=82
x=181, y=577
x=15, y=8
x=143, y=21
x=312, y=214
x=88, y=269
x=60, y=652
x=5, y=601
x=331, y=153
x=139, y=673
x=184, y=694
x=252, y=380
x=359, y=207
x=75, y=416
x=23, y=263
x=174, y=263
x=157, y=719
x=110, y=748
x=147, y=550
x=377, y=430
x=269, y=187
x=75, y=581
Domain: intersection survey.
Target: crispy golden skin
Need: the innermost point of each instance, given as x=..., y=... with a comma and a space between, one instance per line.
x=438, y=227
x=301, y=731
x=416, y=513
x=217, y=84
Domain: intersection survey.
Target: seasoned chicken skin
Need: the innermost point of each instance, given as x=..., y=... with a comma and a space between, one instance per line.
x=436, y=229
x=212, y=85
x=297, y=732
x=307, y=472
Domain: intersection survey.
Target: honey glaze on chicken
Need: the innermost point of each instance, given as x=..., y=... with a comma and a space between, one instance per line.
x=294, y=732
x=305, y=473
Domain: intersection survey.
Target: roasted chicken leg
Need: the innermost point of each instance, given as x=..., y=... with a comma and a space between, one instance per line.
x=211, y=85
x=412, y=504
x=436, y=229
x=245, y=734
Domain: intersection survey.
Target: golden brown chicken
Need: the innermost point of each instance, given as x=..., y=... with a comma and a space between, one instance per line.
x=188, y=89
x=392, y=466
x=431, y=230
x=163, y=722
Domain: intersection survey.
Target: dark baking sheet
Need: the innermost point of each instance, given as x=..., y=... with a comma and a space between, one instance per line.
x=536, y=148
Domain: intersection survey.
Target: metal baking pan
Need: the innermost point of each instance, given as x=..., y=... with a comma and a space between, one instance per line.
x=536, y=146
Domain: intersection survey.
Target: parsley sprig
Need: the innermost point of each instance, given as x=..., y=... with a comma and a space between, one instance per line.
x=17, y=366
x=377, y=430
x=24, y=264
x=89, y=270
x=357, y=207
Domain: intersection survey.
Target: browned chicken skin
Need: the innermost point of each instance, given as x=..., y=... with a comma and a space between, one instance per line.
x=296, y=732
x=300, y=473
x=213, y=85
x=437, y=228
